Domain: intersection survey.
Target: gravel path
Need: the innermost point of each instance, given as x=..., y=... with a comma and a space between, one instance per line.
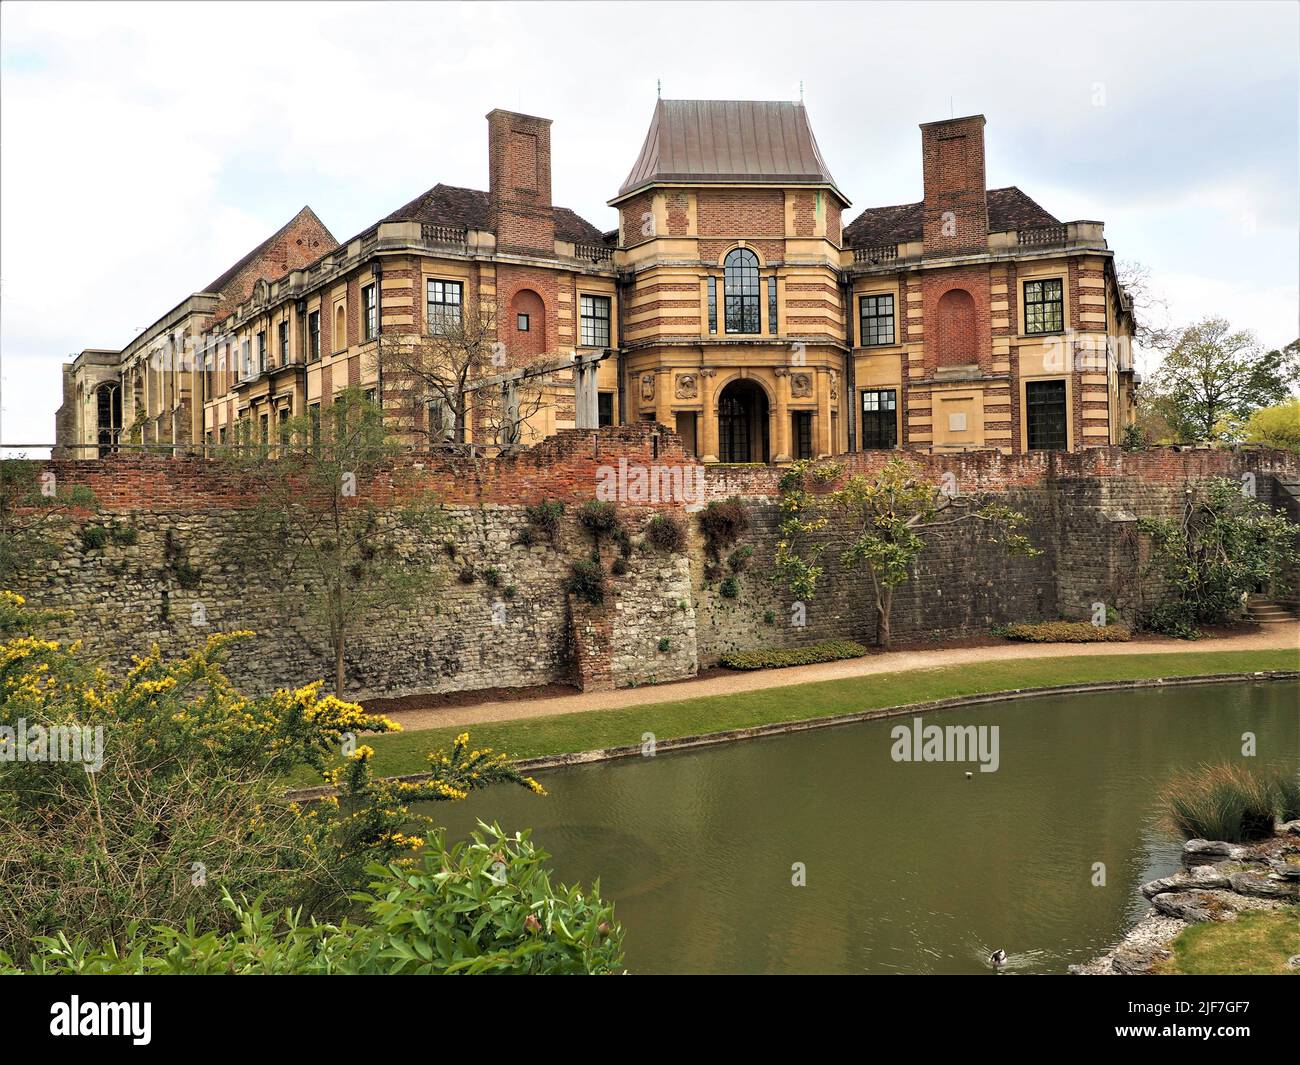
x=1268, y=637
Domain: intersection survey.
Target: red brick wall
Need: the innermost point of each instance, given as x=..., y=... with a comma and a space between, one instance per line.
x=304, y=241
x=733, y=213
x=957, y=332
x=534, y=292
x=519, y=169
x=565, y=467
x=952, y=163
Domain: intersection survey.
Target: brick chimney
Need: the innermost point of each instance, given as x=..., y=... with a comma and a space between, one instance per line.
x=519, y=167
x=956, y=205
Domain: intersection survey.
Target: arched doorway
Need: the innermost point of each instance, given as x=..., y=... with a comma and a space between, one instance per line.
x=742, y=423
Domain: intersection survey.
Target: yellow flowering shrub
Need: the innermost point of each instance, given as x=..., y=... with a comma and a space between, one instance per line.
x=174, y=795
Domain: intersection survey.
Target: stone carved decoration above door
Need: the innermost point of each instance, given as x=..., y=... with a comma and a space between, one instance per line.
x=801, y=385
x=647, y=388
x=687, y=386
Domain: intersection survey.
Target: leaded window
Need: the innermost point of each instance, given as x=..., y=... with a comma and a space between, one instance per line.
x=595, y=321
x=876, y=315
x=443, y=303
x=713, y=305
x=740, y=288
x=1044, y=306
x=771, y=305
x=1045, y=415
x=370, y=312
x=880, y=418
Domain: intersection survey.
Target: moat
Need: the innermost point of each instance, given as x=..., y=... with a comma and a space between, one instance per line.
x=911, y=867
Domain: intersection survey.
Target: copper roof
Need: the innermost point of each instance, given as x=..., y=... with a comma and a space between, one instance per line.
x=1009, y=208
x=729, y=142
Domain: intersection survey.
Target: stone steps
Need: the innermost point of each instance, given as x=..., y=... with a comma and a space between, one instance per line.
x=1268, y=611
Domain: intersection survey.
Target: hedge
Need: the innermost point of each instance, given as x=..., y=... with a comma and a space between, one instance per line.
x=776, y=658
x=1064, y=632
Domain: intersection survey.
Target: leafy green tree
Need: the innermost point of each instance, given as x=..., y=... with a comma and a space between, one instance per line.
x=1224, y=545
x=339, y=529
x=1213, y=377
x=1277, y=426
x=876, y=524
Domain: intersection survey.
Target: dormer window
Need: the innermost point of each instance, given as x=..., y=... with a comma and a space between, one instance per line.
x=740, y=292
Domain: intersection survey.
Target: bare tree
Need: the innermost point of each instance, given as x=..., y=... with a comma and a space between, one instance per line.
x=455, y=383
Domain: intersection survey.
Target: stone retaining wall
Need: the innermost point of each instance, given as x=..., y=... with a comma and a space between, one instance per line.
x=662, y=619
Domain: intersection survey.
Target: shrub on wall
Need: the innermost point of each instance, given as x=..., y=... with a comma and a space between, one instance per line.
x=665, y=533
x=722, y=523
x=1064, y=632
x=776, y=658
x=598, y=517
x=587, y=581
x=544, y=519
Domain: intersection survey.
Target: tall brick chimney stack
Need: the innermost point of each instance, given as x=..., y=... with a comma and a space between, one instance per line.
x=519, y=166
x=956, y=204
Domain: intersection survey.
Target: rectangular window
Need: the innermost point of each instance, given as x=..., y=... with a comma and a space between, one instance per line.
x=282, y=424
x=284, y=343
x=521, y=323
x=803, y=446
x=713, y=305
x=877, y=320
x=595, y=321
x=369, y=312
x=245, y=359
x=1044, y=306
x=1045, y=415
x=261, y=351
x=443, y=300
x=313, y=417
x=771, y=305
x=313, y=335
x=880, y=418
x=604, y=408
x=264, y=427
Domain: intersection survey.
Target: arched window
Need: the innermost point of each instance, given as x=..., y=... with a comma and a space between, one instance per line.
x=740, y=286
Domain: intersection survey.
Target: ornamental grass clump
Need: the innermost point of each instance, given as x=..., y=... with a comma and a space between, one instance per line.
x=1229, y=803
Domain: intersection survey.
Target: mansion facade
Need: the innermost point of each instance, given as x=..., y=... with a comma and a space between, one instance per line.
x=733, y=304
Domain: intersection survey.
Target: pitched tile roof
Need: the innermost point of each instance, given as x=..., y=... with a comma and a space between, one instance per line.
x=306, y=213
x=729, y=141
x=449, y=205
x=1009, y=208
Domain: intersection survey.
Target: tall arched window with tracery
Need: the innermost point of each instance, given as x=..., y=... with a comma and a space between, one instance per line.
x=740, y=288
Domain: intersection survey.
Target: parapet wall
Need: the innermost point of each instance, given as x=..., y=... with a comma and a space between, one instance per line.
x=662, y=620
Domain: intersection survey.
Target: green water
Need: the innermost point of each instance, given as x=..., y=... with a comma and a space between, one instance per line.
x=911, y=867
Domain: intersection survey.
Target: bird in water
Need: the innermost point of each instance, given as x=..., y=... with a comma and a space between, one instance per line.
x=998, y=958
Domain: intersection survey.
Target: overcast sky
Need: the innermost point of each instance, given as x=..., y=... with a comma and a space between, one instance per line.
x=143, y=149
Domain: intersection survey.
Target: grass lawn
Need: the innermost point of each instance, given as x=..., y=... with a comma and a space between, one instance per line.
x=1255, y=944
x=404, y=752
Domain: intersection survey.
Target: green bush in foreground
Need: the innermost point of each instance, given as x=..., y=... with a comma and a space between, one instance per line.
x=1064, y=632
x=482, y=906
x=776, y=658
x=1229, y=803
